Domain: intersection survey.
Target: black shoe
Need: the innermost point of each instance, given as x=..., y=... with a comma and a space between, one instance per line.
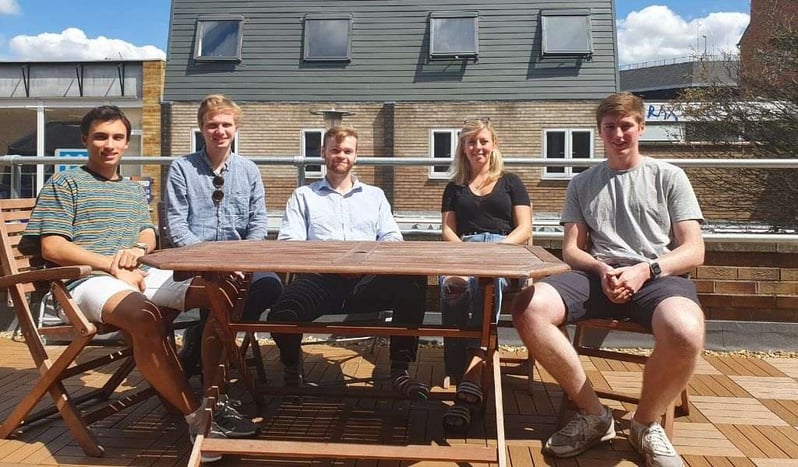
x=191, y=353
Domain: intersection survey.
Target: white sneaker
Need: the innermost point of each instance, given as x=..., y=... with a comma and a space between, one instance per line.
x=653, y=444
x=581, y=433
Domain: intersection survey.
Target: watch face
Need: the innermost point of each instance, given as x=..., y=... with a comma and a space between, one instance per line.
x=655, y=269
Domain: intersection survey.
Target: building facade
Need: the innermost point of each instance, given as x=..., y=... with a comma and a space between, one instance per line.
x=405, y=74
x=42, y=104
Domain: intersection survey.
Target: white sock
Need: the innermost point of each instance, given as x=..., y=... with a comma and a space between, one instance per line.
x=195, y=415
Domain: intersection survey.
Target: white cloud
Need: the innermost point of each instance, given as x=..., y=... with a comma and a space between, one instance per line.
x=656, y=33
x=72, y=44
x=9, y=7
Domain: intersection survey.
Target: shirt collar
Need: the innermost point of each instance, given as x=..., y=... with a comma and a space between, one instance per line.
x=225, y=165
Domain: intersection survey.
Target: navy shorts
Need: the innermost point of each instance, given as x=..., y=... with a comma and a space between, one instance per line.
x=584, y=299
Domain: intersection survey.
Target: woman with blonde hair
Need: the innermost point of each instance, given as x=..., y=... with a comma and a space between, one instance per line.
x=481, y=203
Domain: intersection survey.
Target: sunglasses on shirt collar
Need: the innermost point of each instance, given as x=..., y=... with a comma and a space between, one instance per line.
x=218, y=194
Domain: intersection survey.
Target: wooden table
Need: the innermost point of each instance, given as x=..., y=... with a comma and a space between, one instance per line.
x=213, y=260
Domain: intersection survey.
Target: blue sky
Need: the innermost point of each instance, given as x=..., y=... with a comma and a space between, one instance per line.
x=648, y=30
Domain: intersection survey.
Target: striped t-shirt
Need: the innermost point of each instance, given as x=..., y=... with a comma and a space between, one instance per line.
x=102, y=216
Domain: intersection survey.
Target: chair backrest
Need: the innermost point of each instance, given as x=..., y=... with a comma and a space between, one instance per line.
x=17, y=257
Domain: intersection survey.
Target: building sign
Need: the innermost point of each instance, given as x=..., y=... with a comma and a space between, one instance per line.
x=60, y=152
x=146, y=183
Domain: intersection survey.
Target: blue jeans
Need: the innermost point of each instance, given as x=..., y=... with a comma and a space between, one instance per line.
x=464, y=309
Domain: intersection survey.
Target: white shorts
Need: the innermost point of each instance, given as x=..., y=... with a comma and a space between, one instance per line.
x=160, y=288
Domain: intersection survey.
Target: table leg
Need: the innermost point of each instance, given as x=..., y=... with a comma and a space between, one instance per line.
x=491, y=374
x=223, y=294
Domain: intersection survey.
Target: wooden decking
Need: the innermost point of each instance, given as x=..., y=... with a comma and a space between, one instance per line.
x=744, y=412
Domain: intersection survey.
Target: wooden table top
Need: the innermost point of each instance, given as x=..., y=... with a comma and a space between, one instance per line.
x=355, y=257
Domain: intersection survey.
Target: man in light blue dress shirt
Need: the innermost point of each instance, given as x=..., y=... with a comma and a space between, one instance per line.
x=340, y=207
x=215, y=194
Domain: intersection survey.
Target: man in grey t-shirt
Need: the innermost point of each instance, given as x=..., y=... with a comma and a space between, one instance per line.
x=632, y=231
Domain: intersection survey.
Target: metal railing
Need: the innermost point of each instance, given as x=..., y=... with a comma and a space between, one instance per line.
x=546, y=228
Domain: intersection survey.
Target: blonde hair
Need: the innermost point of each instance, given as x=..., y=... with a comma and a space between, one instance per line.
x=218, y=103
x=461, y=169
x=623, y=104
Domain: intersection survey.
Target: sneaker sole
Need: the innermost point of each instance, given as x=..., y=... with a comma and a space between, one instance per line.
x=239, y=434
x=209, y=459
x=607, y=437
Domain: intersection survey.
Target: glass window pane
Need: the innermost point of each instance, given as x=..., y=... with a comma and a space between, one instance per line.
x=18, y=137
x=327, y=39
x=453, y=36
x=441, y=148
x=580, y=148
x=580, y=145
x=565, y=33
x=312, y=147
x=218, y=39
x=555, y=149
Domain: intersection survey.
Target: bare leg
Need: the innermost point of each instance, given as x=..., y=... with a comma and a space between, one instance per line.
x=678, y=325
x=155, y=358
x=537, y=314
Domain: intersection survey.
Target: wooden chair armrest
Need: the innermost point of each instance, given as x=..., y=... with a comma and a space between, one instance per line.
x=45, y=275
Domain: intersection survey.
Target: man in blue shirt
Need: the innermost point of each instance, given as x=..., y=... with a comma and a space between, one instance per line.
x=340, y=207
x=215, y=194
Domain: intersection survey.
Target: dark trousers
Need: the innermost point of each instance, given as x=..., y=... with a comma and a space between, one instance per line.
x=310, y=296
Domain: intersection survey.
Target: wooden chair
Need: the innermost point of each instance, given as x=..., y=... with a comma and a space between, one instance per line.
x=24, y=274
x=604, y=326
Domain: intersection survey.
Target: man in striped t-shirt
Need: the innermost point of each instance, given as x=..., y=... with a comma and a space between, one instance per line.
x=90, y=215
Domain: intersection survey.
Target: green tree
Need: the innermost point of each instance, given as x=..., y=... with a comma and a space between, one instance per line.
x=757, y=119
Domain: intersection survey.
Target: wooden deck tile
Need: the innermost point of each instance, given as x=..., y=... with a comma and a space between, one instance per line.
x=735, y=410
x=788, y=366
x=769, y=387
x=744, y=412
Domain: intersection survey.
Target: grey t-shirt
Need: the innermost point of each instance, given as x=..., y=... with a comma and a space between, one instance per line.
x=630, y=213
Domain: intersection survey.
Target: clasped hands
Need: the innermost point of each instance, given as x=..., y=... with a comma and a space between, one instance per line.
x=125, y=267
x=620, y=284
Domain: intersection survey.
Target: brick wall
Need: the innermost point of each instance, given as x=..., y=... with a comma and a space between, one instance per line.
x=749, y=282
x=744, y=281
x=152, y=90
x=274, y=129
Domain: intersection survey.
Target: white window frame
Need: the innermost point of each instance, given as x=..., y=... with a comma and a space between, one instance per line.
x=199, y=55
x=303, y=152
x=196, y=133
x=434, y=50
x=568, y=132
x=307, y=54
x=455, y=135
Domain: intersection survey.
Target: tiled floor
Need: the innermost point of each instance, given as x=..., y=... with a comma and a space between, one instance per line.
x=743, y=412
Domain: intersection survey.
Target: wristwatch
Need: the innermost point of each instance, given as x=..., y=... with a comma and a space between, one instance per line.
x=655, y=270
x=141, y=245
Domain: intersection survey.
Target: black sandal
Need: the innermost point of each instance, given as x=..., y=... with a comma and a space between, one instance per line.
x=409, y=387
x=468, y=403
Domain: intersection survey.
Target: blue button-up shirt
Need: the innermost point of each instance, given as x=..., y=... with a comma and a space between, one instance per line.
x=191, y=214
x=318, y=212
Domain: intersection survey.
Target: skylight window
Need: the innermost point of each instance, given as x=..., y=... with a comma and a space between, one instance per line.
x=566, y=32
x=218, y=38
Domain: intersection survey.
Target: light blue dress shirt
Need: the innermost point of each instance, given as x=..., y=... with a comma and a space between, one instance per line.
x=191, y=214
x=318, y=212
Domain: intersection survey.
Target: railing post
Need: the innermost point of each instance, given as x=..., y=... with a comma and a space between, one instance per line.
x=16, y=179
